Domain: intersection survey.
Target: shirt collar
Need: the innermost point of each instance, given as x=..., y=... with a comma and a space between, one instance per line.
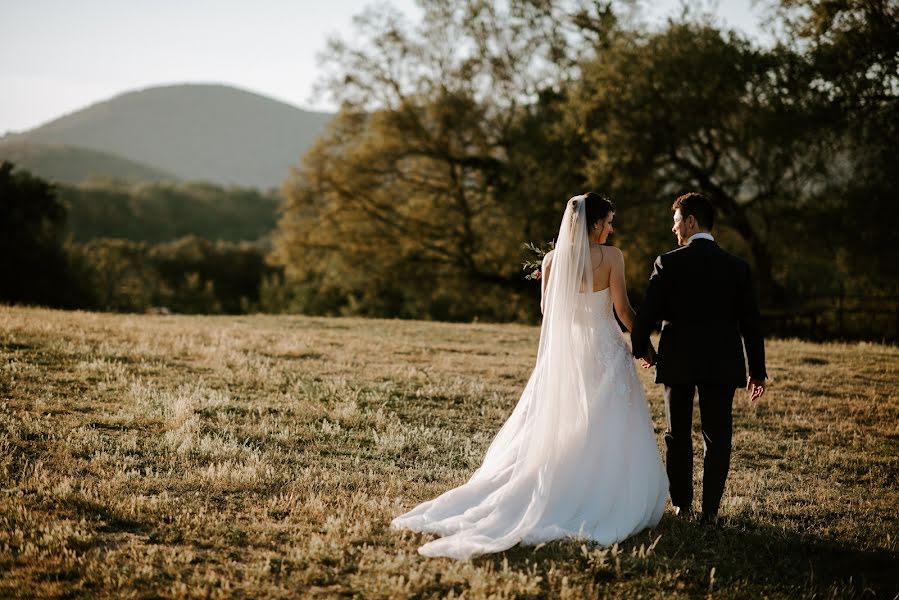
x=701, y=236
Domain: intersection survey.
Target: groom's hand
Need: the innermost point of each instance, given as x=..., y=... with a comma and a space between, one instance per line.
x=756, y=388
x=650, y=359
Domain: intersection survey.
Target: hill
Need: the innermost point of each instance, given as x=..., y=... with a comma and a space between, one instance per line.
x=202, y=132
x=67, y=164
x=264, y=457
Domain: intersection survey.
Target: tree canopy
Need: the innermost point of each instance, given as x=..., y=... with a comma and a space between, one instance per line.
x=460, y=137
x=413, y=198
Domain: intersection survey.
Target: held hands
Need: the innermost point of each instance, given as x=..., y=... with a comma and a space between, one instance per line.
x=650, y=359
x=756, y=388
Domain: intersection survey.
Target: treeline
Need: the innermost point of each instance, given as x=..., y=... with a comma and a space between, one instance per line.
x=187, y=275
x=42, y=262
x=160, y=212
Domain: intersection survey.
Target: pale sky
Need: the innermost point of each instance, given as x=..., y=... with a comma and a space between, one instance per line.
x=57, y=56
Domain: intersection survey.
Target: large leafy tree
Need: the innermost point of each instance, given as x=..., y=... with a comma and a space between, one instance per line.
x=693, y=107
x=852, y=47
x=795, y=143
x=433, y=173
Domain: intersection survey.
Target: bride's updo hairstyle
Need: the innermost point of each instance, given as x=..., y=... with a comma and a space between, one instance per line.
x=597, y=208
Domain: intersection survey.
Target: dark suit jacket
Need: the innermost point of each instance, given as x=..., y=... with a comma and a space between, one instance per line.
x=705, y=299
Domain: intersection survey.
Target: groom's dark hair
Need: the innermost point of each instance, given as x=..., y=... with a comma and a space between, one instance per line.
x=697, y=205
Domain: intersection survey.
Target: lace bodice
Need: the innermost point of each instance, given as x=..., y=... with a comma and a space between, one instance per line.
x=596, y=313
x=610, y=348
x=600, y=304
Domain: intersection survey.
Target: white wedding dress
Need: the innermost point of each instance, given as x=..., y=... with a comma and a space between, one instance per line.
x=578, y=456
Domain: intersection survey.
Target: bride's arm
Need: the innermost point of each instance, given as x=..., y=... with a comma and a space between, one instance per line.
x=618, y=288
x=544, y=276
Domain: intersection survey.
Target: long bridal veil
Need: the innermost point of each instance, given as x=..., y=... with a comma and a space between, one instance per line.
x=504, y=500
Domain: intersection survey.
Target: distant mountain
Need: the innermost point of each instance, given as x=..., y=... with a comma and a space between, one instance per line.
x=194, y=131
x=66, y=164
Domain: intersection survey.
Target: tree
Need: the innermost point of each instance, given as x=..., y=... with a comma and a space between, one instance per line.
x=417, y=199
x=201, y=276
x=695, y=108
x=118, y=273
x=852, y=47
x=33, y=266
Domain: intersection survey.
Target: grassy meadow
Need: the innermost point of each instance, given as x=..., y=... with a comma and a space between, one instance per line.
x=151, y=456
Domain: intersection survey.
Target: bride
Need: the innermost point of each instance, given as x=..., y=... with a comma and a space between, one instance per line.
x=578, y=456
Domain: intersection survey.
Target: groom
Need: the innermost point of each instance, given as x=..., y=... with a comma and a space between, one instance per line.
x=705, y=299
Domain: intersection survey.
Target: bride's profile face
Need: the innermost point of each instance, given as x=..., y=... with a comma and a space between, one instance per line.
x=604, y=228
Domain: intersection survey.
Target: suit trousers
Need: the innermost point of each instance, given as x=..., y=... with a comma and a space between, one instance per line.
x=716, y=416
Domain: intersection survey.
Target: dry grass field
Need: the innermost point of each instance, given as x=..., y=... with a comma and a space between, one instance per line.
x=264, y=456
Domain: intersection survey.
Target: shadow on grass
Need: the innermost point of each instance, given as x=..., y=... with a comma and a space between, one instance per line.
x=106, y=519
x=748, y=558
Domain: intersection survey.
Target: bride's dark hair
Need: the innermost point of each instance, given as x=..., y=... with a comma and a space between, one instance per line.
x=597, y=208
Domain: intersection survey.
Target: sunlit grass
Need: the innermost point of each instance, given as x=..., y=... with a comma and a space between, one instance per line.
x=170, y=456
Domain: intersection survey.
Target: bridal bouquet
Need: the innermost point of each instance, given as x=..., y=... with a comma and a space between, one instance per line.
x=535, y=264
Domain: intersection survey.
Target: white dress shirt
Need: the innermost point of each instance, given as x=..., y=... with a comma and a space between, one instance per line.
x=702, y=235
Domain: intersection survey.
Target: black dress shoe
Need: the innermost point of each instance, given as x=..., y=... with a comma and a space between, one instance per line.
x=708, y=518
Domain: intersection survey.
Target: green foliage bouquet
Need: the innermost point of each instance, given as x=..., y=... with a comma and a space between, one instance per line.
x=535, y=264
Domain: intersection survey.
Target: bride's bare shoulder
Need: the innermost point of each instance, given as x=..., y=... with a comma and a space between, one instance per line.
x=614, y=254
x=606, y=252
